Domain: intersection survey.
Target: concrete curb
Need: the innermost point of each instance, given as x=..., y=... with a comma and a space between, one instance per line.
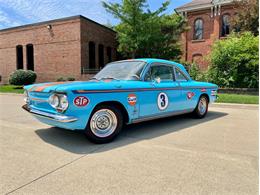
x=230, y=105
x=235, y=104
x=13, y=94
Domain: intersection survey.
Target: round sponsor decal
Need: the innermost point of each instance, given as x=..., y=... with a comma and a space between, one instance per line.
x=162, y=101
x=190, y=95
x=81, y=101
x=131, y=98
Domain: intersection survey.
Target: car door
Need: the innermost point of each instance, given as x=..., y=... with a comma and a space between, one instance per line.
x=188, y=93
x=163, y=95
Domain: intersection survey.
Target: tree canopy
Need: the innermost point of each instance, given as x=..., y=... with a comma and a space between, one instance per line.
x=145, y=33
x=247, y=17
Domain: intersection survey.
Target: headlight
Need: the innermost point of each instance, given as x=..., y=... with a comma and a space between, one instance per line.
x=54, y=101
x=59, y=102
x=26, y=96
x=63, y=102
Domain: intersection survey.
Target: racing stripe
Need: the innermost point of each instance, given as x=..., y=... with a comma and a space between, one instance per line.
x=42, y=87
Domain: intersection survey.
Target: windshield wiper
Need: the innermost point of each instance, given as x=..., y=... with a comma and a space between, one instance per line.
x=109, y=78
x=94, y=78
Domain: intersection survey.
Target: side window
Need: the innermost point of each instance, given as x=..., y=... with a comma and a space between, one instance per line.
x=179, y=76
x=165, y=73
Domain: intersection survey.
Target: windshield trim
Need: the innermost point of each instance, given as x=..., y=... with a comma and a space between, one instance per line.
x=125, y=61
x=115, y=62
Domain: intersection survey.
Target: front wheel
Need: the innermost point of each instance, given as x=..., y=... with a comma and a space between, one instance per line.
x=105, y=124
x=201, y=108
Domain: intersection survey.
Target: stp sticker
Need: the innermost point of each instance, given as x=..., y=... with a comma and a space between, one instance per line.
x=131, y=98
x=190, y=95
x=81, y=101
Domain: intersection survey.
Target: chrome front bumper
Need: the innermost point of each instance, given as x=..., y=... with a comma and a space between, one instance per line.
x=55, y=117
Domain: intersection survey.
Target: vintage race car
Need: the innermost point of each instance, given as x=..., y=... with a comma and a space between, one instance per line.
x=123, y=92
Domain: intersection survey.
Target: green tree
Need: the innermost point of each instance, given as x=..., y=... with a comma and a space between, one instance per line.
x=234, y=61
x=247, y=17
x=146, y=33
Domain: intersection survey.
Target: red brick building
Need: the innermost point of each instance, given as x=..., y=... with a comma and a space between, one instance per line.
x=209, y=20
x=68, y=47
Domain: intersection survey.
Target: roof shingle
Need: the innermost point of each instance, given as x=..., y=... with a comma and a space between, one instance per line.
x=195, y=2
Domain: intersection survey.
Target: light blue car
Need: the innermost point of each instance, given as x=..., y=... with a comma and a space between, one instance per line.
x=123, y=92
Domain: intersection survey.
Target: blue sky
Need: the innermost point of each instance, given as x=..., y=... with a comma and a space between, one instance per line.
x=20, y=12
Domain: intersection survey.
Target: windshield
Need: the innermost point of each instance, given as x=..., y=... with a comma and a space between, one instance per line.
x=125, y=70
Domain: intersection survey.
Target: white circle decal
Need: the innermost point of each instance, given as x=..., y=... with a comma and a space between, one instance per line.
x=162, y=101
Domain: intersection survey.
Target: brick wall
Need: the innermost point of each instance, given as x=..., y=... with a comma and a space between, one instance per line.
x=198, y=50
x=56, y=50
x=59, y=51
x=99, y=35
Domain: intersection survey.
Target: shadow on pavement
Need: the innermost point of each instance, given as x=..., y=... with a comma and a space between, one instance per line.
x=76, y=142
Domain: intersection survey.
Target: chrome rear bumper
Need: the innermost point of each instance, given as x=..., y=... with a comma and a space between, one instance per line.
x=55, y=117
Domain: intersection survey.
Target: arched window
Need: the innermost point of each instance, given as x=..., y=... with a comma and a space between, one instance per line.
x=198, y=29
x=225, y=25
x=19, y=57
x=30, y=57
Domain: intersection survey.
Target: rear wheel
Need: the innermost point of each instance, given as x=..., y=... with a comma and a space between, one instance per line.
x=105, y=124
x=201, y=108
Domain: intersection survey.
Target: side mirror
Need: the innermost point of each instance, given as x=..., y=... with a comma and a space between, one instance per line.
x=157, y=80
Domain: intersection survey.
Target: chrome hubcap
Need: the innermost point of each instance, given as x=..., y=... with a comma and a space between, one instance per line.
x=103, y=123
x=202, y=106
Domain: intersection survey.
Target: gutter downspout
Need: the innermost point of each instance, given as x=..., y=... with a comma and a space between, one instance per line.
x=186, y=41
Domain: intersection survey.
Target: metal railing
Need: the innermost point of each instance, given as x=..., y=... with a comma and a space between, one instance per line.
x=85, y=70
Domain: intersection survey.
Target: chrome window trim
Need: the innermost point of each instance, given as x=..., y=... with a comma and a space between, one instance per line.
x=187, y=79
x=147, y=68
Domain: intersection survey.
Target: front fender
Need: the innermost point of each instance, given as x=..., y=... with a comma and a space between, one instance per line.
x=83, y=113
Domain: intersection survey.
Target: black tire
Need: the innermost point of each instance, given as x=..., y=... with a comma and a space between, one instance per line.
x=91, y=132
x=197, y=113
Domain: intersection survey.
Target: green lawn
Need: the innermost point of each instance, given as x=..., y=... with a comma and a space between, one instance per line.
x=11, y=89
x=239, y=99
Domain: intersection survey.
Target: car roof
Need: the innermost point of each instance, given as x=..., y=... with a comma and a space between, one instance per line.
x=152, y=60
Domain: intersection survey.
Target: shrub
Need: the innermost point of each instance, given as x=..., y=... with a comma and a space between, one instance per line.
x=61, y=79
x=71, y=79
x=234, y=61
x=195, y=72
x=22, y=77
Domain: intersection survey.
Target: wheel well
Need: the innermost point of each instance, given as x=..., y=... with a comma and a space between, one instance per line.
x=206, y=95
x=119, y=106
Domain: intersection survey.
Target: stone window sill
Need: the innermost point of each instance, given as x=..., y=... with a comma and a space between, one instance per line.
x=198, y=40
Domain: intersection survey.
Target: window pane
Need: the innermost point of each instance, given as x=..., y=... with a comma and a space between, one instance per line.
x=198, y=29
x=179, y=75
x=30, y=57
x=100, y=56
x=92, y=55
x=165, y=73
x=19, y=57
x=225, y=25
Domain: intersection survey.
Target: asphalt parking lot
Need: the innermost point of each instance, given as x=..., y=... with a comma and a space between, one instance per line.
x=177, y=155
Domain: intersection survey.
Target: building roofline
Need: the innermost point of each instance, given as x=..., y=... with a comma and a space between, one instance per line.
x=201, y=6
x=57, y=20
x=194, y=7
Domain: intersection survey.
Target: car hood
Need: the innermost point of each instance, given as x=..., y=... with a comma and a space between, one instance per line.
x=80, y=85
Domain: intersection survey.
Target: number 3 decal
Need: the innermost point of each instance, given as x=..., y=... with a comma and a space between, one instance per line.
x=162, y=101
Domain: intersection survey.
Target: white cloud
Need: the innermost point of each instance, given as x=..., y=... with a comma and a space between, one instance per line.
x=17, y=12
